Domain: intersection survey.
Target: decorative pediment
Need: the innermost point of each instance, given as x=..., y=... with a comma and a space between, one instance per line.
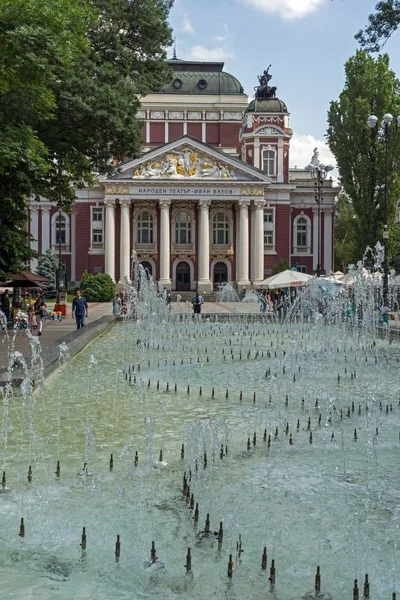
x=269, y=131
x=184, y=163
x=190, y=160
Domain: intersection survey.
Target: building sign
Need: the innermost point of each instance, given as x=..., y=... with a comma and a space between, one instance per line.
x=171, y=191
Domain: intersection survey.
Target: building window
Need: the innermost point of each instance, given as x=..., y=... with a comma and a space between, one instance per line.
x=268, y=227
x=220, y=228
x=269, y=162
x=61, y=230
x=145, y=228
x=301, y=233
x=301, y=268
x=97, y=226
x=183, y=228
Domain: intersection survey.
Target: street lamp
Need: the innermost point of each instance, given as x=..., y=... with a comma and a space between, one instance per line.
x=372, y=122
x=319, y=172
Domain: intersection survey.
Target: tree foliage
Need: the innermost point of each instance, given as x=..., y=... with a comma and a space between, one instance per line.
x=70, y=73
x=381, y=25
x=345, y=233
x=97, y=288
x=280, y=265
x=47, y=266
x=370, y=88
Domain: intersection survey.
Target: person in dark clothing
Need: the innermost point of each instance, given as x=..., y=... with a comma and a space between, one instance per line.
x=79, y=309
x=197, y=301
x=5, y=304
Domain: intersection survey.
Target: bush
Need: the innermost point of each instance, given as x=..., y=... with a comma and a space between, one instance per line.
x=97, y=288
x=72, y=290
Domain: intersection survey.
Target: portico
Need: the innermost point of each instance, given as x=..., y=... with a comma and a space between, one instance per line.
x=185, y=203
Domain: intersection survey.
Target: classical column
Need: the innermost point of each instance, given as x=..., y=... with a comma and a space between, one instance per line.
x=45, y=228
x=258, y=243
x=110, y=238
x=125, y=242
x=34, y=230
x=315, y=238
x=242, y=258
x=204, y=246
x=327, y=239
x=165, y=243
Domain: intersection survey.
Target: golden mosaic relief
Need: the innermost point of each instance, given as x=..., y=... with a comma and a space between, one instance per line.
x=183, y=164
x=251, y=190
x=116, y=189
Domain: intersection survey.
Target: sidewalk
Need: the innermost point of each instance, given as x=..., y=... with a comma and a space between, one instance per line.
x=54, y=332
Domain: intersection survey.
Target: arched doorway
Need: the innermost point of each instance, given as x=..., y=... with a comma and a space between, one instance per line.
x=220, y=274
x=148, y=268
x=182, y=277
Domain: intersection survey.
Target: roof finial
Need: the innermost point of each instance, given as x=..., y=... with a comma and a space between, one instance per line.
x=174, y=56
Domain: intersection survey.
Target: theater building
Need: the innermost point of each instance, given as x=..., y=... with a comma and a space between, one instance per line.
x=212, y=198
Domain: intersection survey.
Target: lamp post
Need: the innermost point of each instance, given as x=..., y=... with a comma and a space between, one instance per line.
x=372, y=122
x=319, y=173
x=59, y=256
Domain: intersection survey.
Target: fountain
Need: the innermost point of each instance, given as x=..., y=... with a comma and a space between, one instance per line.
x=284, y=434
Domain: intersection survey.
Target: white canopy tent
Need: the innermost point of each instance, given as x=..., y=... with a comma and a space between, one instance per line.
x=285, y=279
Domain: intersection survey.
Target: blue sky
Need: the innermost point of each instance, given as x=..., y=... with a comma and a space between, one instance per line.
x=306, y=41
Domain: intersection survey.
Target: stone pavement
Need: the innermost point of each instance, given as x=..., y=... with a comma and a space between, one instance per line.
x=53, y=334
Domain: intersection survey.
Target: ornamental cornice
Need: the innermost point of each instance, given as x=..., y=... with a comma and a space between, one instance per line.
x=268, y=119
x=116, y=189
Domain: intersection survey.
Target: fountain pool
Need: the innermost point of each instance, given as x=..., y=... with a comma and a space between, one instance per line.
x=290, y=437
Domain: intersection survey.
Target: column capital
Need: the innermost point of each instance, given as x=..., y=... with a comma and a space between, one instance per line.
x=109, y=202
x=125, y=202
x=258, y=203
x=204, y=203
x=164, y=203
x=46, y=209
x=244, y=203
x=34, y=208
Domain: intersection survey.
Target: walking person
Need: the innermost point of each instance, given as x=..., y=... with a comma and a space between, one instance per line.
x=79, y=309
x=5, y=304
x=197, y=302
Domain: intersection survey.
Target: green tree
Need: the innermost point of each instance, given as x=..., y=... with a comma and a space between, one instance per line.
x=97, y=288
x=70, y=73
x=345, y=233
x=47, y=266
x=279, y=266
x=370, y=88
x=381, y=25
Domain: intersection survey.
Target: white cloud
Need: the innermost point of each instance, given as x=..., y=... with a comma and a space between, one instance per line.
x=302, y=148
x=224, y=36
x=287, y=9
x=201, y=53
x=187, y=27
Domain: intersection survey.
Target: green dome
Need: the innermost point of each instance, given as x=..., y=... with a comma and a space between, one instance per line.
x=201, y=79
x=268, y=105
